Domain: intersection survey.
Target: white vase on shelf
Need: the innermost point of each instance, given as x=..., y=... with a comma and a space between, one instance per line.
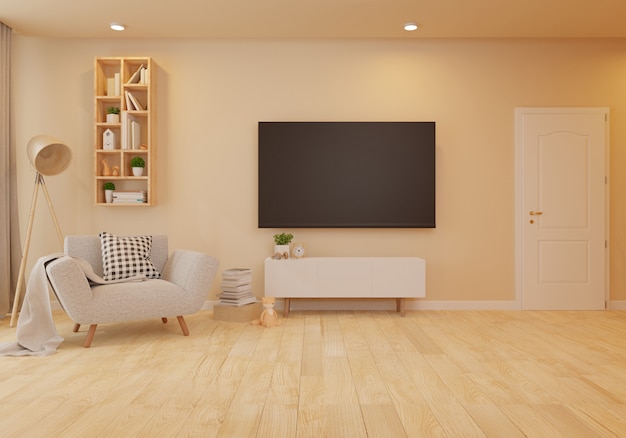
x=137, y=171
x=108, y=196
x=283, y=250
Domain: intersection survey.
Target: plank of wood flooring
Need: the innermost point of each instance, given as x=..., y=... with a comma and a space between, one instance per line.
x=312, y=420
x=369, y=384
x=376, y=339
x=167, y=421
x=131, y=420
x=205, y=419
x=400, y=387
x=88, y=421
x=610, y=418
x=422, y=342
x=459, y=383
x=454, y=419
x=396, y=337
x=530, y=421
x=418, y=420
x=339, y=387
x=254, y=384
x=333, y=344
x=241, y=420
x=344, y=421
x=312, y=348
x=381, y=420
x=431, y=387
x=268, y=345
x=247, y=342
x=278, y=420
x=292, y=341
x=521, y=382
x=352, y=336
x=492, y=421
x=312, y=391
x=570, y=423
x=285, y=384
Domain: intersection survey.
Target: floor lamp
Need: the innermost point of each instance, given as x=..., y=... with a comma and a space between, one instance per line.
x=49, y=156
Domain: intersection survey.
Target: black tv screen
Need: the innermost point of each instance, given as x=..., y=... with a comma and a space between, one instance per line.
x=346, y=175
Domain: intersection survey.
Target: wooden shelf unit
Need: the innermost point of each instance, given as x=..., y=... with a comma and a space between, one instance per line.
x=106, y=69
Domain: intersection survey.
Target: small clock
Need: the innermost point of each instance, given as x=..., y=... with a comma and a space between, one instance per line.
x=298, y=250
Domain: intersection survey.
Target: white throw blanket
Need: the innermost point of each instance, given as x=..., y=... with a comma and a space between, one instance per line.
x=36, y=333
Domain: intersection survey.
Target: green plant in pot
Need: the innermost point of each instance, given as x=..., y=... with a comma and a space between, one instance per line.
x=281, y=245
x=108, y=191
x=113, y=114
x=137, y=163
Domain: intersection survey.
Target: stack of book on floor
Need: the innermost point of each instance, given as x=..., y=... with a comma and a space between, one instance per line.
x=129, y=197
x=237, y=287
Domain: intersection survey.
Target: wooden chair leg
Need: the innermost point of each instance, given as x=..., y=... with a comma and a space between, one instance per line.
x=76, y=327
x=90, y=335
x=164, y=320
x=183, y=325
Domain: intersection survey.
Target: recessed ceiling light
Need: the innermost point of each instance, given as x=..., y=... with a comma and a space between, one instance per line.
x=117, y=26
x=410, y=27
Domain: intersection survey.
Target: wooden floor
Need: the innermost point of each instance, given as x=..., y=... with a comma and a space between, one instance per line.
x=327, y=374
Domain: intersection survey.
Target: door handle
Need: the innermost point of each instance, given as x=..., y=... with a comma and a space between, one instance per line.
x=538, y=213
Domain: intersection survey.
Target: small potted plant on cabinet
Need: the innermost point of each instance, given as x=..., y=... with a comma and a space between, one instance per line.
x=108, y=191
x=137, y=163
x=281, y=244
x=113, y=114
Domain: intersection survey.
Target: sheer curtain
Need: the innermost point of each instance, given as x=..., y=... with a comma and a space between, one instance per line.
x=10, y=245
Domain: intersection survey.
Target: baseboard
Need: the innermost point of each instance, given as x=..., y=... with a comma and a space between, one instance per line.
x=365, y=304
x=617, y=305
x=383, y=304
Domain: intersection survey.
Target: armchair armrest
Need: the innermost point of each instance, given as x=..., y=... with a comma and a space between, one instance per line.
x=69, y=284
x=192, y=271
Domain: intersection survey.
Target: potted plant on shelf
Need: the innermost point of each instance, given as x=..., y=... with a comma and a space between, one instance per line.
x=137, y=163
x=281, y=244
x=113, y=114
x=108, y=191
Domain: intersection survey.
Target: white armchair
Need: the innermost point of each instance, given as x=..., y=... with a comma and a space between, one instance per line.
x=186, y=277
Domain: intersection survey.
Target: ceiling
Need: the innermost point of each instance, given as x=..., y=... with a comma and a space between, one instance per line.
x=317, y=18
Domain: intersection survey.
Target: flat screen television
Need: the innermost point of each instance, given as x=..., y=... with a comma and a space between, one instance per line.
x=346, y=175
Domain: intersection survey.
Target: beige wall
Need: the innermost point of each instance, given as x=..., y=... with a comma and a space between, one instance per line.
x=212, y=93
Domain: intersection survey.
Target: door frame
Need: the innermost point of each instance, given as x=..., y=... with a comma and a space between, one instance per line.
x=519, y=217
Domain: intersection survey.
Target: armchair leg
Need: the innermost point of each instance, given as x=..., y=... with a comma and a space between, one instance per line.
x=76, y=327
x=183, y=325
x=164, y=320
x=90, y=335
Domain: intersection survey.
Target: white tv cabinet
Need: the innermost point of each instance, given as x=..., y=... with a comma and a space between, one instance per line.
x=346, y=277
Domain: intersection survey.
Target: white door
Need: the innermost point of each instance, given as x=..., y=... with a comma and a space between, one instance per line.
x=561, y=207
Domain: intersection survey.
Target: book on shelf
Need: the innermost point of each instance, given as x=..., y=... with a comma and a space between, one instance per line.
x=235, y=295
x=144, y=77
x=129, y=197
x=113, y=85
x=236, y=288
x=132, y=103
x=238, y=282
x=135, y=134
x=236, y=272
x=136, y=102
x=131, y=132
x=238, y=302
x=110, y=86
x=136, y=76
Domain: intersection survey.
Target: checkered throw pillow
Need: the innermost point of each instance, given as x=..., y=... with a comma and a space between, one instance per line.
x=124, y=257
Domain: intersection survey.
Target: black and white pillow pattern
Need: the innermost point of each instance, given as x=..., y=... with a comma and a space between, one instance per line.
x=125, y=257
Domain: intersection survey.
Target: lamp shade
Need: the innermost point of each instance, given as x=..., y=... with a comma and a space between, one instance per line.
x=48, y=154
